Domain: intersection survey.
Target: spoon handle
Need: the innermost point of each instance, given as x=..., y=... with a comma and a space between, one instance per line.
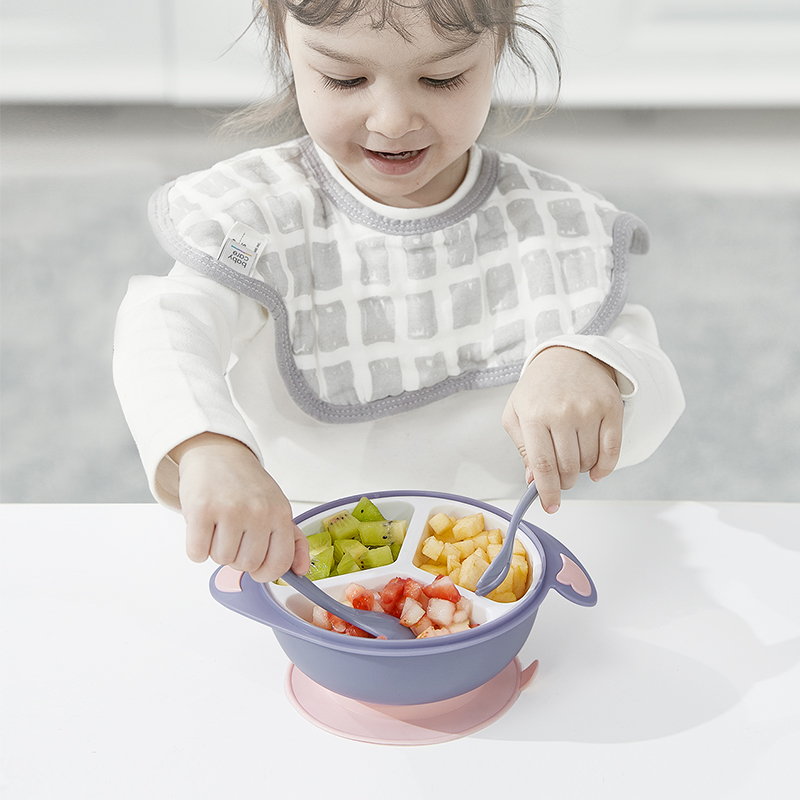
x=498, y=569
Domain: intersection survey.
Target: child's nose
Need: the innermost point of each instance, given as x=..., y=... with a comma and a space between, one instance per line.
x=393, y=115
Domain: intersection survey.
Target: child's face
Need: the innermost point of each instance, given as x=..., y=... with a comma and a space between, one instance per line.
x=397, y=116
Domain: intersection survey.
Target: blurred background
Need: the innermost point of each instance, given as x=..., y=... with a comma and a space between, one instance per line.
x=685, y=112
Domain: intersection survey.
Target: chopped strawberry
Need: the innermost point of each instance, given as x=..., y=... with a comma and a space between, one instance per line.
x=412, y=589
x=321, y=618
x=440, y=612
x=391, y=594
x=422, y=625
x=364, y=601
x=352, y=590
x=443, y=588
x=339, y=625
x=351, y=630
x=412, y=613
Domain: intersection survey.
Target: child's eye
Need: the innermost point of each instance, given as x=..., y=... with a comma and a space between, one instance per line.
x=341, y=84
x=446, y=83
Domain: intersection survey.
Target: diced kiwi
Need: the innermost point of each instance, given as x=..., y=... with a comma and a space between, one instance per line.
x=377, y=534
x=352, y=546
x=319, y=541
x=342, y=525
x=367, y=511
x=395, y=548
x=347, y=564
x=321, y=564
x=376, y=557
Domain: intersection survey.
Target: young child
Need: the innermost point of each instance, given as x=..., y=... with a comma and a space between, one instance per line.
x=363, y=307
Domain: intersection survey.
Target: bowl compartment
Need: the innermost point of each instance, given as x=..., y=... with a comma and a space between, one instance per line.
x=417, y=510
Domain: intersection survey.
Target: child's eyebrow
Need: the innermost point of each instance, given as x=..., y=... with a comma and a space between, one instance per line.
x=346, y=58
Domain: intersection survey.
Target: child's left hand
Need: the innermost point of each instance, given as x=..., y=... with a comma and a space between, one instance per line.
x=565, y=417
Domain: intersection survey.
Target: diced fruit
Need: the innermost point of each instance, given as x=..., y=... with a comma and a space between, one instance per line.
x=412, y=612
x=440, y=523
x=457, y=627
x=467, y=527
x=380, y=532
x=466, y=547
x=376, y=557
x=462, y=549
x=360, y=597
x=493, y=550
x=352, y=546
x=471, y=570
x=367, y=511
x=432, y=548
x=418, y=607
x=440, y=612
x=391, y=593
x=347, y=565
x=342, y=525
x=319, y=541
x=321, y=618
x=321, y=564
x=342, y=530
x=443, y=588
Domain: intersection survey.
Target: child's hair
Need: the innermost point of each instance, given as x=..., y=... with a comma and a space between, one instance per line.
x=511, y=21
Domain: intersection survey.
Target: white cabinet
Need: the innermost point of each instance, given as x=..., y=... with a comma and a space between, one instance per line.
x=681, y=52
x=615, y=52
x=82, y=50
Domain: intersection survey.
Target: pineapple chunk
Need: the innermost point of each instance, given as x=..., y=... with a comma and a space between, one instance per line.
x=432, y=548
x=440, y=523
x=466, y=547
x=453, y=563
x=450, y=551
x=519, y=569
x=506, y=587
x=434, y=569
x=495, y=536
x=467, y=527
x=455, y=573
x=481, y=540
x=493, y=550
x=472, y=568
x=519, y=548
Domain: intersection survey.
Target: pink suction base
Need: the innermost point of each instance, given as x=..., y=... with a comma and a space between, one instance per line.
x=428, y=723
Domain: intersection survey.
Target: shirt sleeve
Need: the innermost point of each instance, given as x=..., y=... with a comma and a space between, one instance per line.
x=651, y=391
x=172, y=348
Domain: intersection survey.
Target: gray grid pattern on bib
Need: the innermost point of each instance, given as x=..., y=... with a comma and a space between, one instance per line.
x=384, y=313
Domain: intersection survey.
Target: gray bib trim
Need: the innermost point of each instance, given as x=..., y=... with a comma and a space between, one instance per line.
x=352, y=208
x=628, y=234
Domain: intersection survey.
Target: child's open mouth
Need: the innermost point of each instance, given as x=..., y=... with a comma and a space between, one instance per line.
x=395, y=163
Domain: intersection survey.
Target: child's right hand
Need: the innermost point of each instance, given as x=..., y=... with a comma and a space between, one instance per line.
x=234, y=510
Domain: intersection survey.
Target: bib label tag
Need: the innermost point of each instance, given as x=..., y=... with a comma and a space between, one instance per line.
x=241, y=248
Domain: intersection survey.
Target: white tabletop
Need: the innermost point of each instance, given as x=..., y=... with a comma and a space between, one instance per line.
x=123, y=678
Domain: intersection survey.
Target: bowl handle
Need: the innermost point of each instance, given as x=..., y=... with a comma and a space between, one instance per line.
x=563, y=572
x=240, y=593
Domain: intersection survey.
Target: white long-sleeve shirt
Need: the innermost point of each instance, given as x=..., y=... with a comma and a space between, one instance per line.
x=194, y=355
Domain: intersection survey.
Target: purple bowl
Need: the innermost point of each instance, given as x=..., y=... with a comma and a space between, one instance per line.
x=409, y=672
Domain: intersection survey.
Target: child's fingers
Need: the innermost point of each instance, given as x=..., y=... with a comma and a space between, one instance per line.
x=609, y=445
x=199, y=535
x=279, y=556
x=540, y=456
x=302, y=559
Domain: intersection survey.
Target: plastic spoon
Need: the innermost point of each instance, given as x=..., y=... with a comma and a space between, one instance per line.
x=375, y=622
x=498, y=569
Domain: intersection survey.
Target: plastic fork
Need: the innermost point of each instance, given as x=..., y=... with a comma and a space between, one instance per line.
x=375, y=622
x=498, y=569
